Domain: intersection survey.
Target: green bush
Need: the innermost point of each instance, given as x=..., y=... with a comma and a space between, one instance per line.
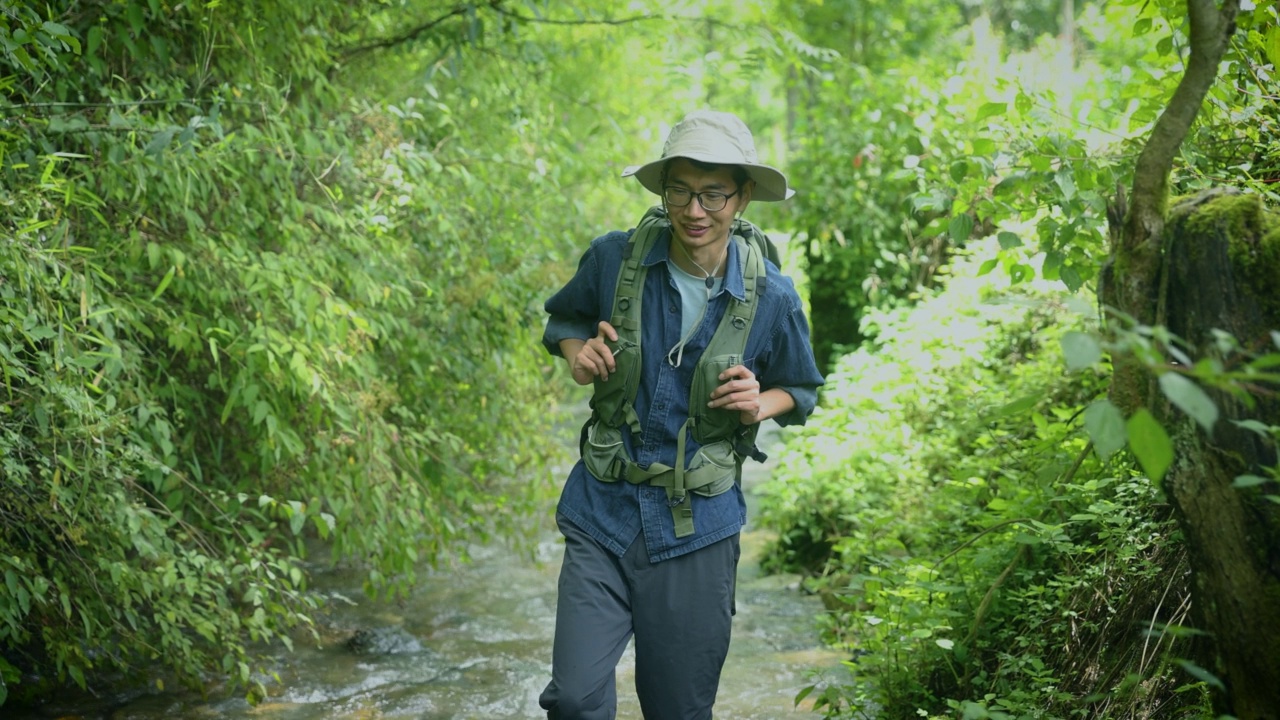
x=973, y=553
x=242, y=310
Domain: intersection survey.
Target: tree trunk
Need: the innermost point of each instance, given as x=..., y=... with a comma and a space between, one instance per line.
x=1223, y=262
x=1213, y=263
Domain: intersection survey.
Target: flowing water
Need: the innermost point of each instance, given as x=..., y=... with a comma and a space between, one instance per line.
x=474, y=641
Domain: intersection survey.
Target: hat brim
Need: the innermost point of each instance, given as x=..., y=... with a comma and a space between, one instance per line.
x=771, y=184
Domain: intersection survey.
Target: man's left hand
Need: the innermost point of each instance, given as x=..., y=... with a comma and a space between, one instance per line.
x=739, y=390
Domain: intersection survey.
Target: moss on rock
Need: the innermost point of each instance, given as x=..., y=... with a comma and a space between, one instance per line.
x=1253, y=240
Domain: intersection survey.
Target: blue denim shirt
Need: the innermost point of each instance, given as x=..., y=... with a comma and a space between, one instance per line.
x=777, y=351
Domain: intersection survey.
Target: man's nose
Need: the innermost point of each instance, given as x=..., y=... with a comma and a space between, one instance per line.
x=694, y=208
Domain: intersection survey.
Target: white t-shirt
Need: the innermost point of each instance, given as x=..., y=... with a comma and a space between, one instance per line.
x=694, y=296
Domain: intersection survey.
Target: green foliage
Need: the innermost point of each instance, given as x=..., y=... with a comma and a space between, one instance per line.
x=974, y=552
x=1234, y=141
x=250, y=310
x=862, y=153
x=1055, y=144
x=866, y=246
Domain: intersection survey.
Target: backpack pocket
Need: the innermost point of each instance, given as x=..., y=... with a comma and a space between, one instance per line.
x=603, y=445
x=712, y=423
x=610, y=400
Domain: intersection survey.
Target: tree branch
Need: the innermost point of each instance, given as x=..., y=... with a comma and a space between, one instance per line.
x=497, y=7
x=413, y=33
x=548, y=21
x=1211, y=31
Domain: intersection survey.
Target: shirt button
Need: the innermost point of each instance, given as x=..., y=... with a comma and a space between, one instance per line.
x=673, y=308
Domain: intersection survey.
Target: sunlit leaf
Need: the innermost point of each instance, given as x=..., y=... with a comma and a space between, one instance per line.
x=1070, y=278
x=1271, y=43
x=1106, y=427
x=1066, y=182
x=960, y=228
x=991, y=109
x=1188, y=396
x=1150, y=444
x=164, y=283
x=1081, y=350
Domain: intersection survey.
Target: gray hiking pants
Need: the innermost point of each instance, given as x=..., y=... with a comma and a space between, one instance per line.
x=680, y=611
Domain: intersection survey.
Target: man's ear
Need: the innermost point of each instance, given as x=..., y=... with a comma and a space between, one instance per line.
x=745, y=194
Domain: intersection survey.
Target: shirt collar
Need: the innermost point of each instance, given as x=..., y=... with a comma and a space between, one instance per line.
x=733, y=282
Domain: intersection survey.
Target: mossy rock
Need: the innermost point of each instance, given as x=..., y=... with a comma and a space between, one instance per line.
x=1224, y=244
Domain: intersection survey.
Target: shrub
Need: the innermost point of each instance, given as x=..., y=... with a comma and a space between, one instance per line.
x=973, y=553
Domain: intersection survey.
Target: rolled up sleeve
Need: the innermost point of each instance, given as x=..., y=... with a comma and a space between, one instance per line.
x=789, y=363
x=577, y=308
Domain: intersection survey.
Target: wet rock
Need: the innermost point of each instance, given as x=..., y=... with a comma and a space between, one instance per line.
x=382, y=641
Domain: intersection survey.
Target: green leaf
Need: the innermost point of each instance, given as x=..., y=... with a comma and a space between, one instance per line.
x=1188, y=396
x=1081, y=350
x=945, y=644
x=1066, y=182
x=1150, y=444
x=1008, y=240
x=1261, y=428
x=991, y=109
x=95, y=39
x=76, y=674
x=1248, y=481
x=1070, y=278
x=164, y=282
x=1105, y=424
x=133, y=12
x=960, y=228
x=1201, y=674
x=1021, y=405
x=159, y=142
x=1271, y=44
x=959, y=170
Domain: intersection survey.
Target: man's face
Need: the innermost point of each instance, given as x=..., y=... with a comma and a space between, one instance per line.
x=693, y=225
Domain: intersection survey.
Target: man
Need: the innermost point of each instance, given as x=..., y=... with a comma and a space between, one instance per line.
x=692, y=339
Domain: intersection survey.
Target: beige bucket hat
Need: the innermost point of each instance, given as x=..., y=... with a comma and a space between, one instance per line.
x=714, y=137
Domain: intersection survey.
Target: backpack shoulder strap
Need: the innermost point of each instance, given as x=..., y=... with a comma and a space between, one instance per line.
x=755, y=236
x=631, y=274
x=614, y=404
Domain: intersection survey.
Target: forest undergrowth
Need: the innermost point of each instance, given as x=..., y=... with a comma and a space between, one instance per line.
x=976, y=556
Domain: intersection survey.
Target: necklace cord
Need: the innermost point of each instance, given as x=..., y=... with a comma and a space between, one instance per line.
x=708, y=275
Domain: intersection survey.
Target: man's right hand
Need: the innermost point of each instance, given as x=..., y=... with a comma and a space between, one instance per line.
x=592, y=358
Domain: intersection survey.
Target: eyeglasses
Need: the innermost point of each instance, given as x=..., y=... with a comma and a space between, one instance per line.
x=710, y=201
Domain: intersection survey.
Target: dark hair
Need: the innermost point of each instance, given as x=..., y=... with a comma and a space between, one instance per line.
x=740, y=174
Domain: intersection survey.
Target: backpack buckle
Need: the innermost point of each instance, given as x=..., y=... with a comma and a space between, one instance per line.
x=618, y=468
